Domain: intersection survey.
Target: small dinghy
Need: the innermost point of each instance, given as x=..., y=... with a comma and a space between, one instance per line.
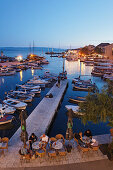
x=76, y=100
x=75, y=109
x=6, y=119
x=15, y=103
x=83, y=88
x=6, y=109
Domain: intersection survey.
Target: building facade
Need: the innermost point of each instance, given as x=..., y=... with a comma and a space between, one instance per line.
x=108, y=53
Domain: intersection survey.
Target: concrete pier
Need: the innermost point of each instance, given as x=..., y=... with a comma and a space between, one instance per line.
x=40, y=119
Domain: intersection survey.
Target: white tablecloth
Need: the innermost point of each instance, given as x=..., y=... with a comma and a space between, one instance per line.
x=36, y=145
x=57, y=145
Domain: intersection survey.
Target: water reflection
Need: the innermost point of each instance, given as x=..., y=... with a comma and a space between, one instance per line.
x=71, y=67
x=21, y=75
x=3, y=80
x=7, y=126
x=32, y=71
x=82, y=68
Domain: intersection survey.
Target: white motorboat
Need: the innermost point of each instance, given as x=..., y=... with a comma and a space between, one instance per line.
x=24, y=92
x=75, y=109
x=35, y=91
x=15, y=103
x=26, y=86
x=22, y=98
x=6, y=109
x=39, y=81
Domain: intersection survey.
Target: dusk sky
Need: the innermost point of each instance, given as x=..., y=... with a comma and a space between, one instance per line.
x=55, y=23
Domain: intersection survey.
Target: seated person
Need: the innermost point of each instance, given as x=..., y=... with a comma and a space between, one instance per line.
x=44, y=138
x=82, y=144
x=88, y=134
x=78, y=136
x=33, y=138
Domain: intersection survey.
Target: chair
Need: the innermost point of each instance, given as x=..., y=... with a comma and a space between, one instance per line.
x=51, y=152
x=95, y=148
x=52, y=139
x=62, y=152
x=5, y=141
x=25, y=158
x=83, y=149
x=75, y=139
x=60, y=136
x=111, y=133
x=41, y=152
x=80, y=133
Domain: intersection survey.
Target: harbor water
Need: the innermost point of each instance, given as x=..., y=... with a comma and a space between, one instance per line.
x=74, y=69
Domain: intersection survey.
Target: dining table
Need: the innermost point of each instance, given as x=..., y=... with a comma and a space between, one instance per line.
x=37, y=145
x=57, y=145
x=86, y=140
x=90, y=142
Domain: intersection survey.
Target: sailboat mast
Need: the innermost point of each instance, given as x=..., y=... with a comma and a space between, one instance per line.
x=63, y=65
x=30, y=48
x=33, y=46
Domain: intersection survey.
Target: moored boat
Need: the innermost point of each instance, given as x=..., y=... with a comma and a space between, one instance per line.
x=6, y=109
x=15, y=103
x=83, y=88
x=75, y=109
x=76, y=100
x=6, y=119
x=22, y=98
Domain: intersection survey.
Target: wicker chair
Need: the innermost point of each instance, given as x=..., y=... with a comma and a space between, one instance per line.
x=111, y=133
x=60, y=136
x=75, y=139
x=95, y=148
x=83, y=149
x=80, y=133
x=25, y=158
x=5, y=141
x=41, y=153
x=52, y=139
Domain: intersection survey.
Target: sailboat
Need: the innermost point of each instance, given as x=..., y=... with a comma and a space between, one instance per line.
x=33, y=56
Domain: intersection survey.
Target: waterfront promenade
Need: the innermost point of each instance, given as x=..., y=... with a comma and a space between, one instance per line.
x=39, y=122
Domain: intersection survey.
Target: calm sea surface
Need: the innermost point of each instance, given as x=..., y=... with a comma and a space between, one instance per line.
x=73, y=69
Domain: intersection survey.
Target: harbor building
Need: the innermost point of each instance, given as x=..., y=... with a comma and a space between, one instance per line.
x=109, y=51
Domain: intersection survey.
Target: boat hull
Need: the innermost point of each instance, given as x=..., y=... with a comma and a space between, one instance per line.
x=6, y=119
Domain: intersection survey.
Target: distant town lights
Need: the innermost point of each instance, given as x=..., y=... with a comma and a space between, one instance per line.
x=19, y=58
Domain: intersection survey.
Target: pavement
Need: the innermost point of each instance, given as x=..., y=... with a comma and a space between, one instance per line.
x=93, y=165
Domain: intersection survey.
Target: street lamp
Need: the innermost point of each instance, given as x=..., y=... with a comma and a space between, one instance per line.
x=24, y=134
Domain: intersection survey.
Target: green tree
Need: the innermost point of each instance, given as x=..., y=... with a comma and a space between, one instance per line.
x=98, y=107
